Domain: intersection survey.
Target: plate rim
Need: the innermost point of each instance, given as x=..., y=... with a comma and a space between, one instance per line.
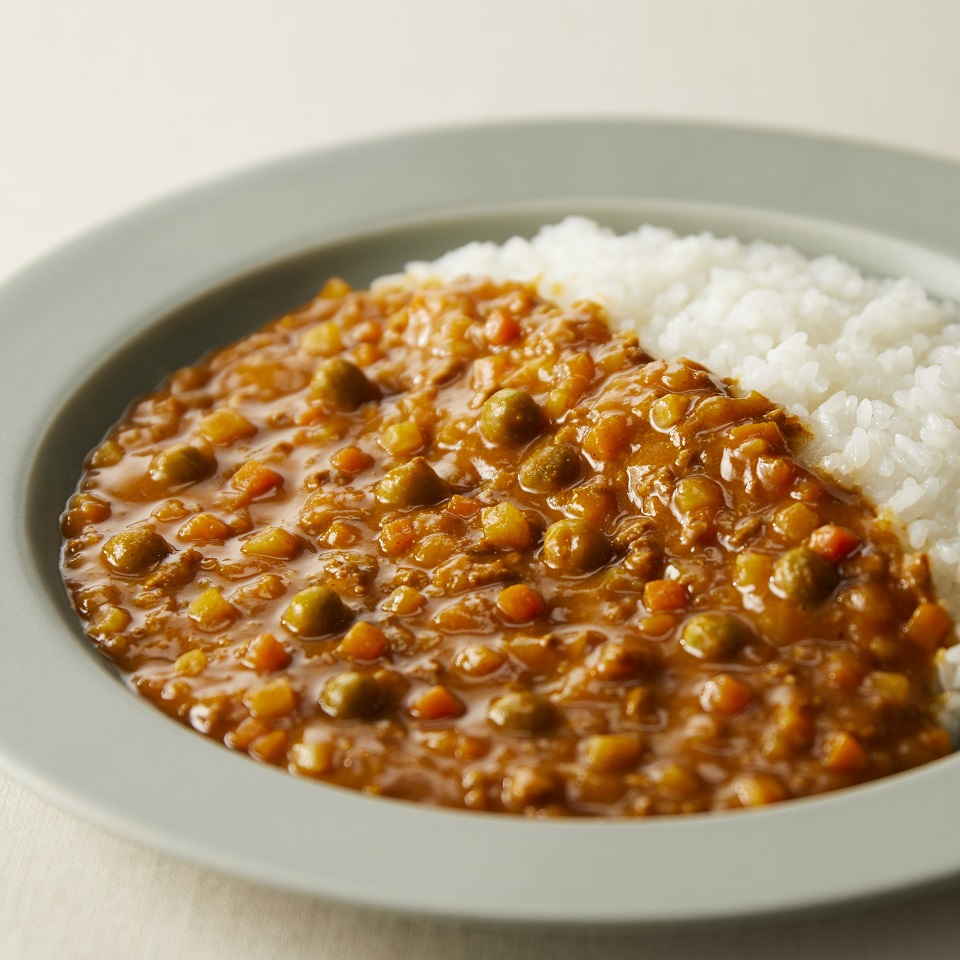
x=596, y=845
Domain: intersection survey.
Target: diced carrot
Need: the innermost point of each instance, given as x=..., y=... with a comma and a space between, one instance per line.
x=271, y=747
x=520, y=603
x=247, y=730
x=725, y=695
x=608, y=437
x=833, y=542
x=437, y=703
x=366, y=353
x=501, y=328
x=844, y=752
x=462, y=506
x=662, y=595
x=351, y=460
x=363, y=641
x=265, y=653
x=254, y=480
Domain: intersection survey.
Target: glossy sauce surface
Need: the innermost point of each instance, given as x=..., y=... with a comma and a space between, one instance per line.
x=457, y=545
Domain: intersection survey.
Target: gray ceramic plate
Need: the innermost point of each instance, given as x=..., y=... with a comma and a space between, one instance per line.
x=104, y=318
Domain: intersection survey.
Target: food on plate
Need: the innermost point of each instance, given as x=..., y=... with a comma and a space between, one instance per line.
x=456, y=539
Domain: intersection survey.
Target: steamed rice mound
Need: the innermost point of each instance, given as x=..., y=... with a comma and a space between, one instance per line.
x=871, y=365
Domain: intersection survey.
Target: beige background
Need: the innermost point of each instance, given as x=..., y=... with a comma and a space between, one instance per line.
x=107, y=104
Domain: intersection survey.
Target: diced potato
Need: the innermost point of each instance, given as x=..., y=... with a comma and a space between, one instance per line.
x=504, y=525
x=697, y=493
x=110, y=619
x=108, y=454
x=758, y=789
x=893, y=688
x=210, y=610
x=205, y=527
x=191, y=663
x=312, y=759
x=273, y=543
x=611, y=753
x=402, y=439
x=274, y=698
x=477, y=660
x=335, y=288
x=405, y=601
x=668, y=410
x=676, y=779
x=323, y=340
x=796, y=521
x=225, y=426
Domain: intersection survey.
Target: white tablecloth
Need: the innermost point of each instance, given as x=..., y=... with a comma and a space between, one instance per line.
x=106, y=104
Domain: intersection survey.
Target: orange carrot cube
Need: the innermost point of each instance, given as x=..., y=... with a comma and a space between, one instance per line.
x=437, y=703
x=520, y=603
x=363, y=641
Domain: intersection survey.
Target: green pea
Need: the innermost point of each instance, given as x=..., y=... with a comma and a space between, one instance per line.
x=134, y=552
x=802, y=574
x=351, y=696
x=182, y=464
x=522, y=713
x=552, y=469
x=412, y=484
x=316, y=612
x=575, y=547
x=713, y=636
x=342, y=385
x=510, y=417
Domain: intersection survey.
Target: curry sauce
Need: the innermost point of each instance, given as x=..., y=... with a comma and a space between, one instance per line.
x=455, y=544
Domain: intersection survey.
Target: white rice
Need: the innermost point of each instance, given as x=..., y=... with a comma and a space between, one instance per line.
x=871, y=365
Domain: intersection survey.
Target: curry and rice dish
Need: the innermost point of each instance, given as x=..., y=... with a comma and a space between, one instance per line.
x=452, y=541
